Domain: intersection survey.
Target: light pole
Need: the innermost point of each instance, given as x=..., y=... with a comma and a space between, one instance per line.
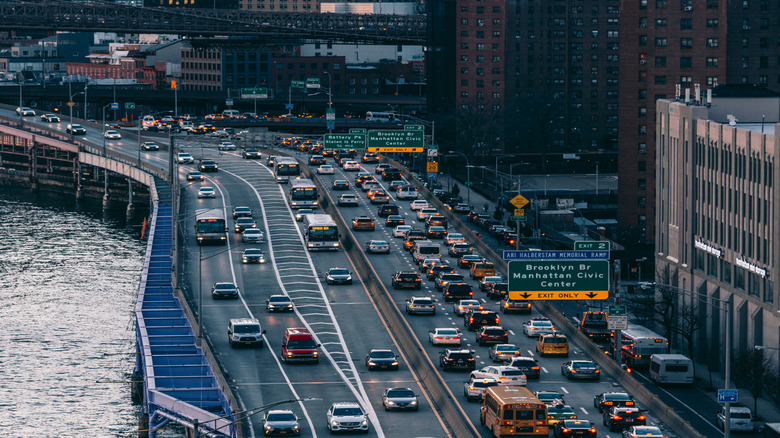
x=330, y=102
x=86, y=84
x=243, y=415
x=289, y=100
x=468, y=173
x=497, y=178
x=70, y=101
x=20, y=78
x=104, y=126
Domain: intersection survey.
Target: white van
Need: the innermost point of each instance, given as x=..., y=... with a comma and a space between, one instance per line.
x=425, y=249
x=231, y=114
x=407, y=192
x=671, y=369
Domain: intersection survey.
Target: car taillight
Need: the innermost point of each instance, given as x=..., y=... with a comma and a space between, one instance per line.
x=630, y=403
x=566, y=430
x=641, y=417
x=592, y=430
x=607, y=403
x=534, y=368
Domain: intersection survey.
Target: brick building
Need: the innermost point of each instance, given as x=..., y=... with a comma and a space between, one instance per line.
x=121, y=64
x=705, y=42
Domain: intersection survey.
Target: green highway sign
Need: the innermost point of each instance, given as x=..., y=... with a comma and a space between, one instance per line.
x=254, y=93
x=344, y=141
x=395, y=140
x=469, y=183
x=313, y=83
x=129, y=105
x=591, y=246
x=616, y=309
x=297, y=84
x=357, y=131
x=518, y=218
x=433, y=146
x=414, y=128
x=559, y=280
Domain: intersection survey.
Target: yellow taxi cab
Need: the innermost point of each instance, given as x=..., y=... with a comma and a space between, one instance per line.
x=482, y=269
x=552, y=343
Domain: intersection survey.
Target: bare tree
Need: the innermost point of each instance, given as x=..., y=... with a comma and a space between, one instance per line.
x=688, y=324
x=752, y=370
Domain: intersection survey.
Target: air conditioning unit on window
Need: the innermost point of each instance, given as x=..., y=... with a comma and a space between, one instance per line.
x=745, y=27
x=643, y=61
x=688, y=8
x=643, y=26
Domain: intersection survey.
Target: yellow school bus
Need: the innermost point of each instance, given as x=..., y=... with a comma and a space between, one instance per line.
x=513, y=411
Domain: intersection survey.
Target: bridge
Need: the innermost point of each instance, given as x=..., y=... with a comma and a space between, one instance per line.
x=95, y=16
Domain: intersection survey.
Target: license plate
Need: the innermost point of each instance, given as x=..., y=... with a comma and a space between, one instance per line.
x=349, y=428
x=629, y=420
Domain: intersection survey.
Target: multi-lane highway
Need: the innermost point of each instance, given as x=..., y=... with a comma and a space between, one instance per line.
x=342, y=316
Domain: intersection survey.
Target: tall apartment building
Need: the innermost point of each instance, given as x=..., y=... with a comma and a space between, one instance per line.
x=548, y=70
x=217, y=68
x=664, y=43
x=716, y=240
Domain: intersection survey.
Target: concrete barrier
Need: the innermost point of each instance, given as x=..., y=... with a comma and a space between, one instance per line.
x=425, y=371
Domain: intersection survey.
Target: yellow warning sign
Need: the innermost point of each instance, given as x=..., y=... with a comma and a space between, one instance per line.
x=433, y=166
x=519, y=201
x=519, y=212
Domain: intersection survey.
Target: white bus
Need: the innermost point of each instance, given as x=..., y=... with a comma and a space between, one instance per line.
x=322, y=233
x=638, y=343
x=671, y=369
x=285, y=169
x=148, y=121
x=303, y=194
x=379, y=116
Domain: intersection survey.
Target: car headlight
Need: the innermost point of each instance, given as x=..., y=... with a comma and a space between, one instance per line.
x=329, y=278
x=334, y=423
x=371, y=362
x=296, y=427
x=390, y=403
x=413, y=403
x=395, y=362
x=364, y=422
x=268, y=427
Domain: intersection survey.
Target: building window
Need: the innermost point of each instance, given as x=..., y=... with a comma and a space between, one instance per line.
x=712, y=42
x=661, y=4
x=660, y=80
x=712, y=62
x=464, y=34
x=642, y=112
x=642, y=40
x=660, y=42
x=464, y=21
x=712, y=23
x=642, y=76
x=745, y=62
x=480, y=47
x=763, y=80
x=763, y=62
x=642, y=93
x=642, y=150
x=739, y=278
x=464, y=70
x=712, y=81
x=642, y=166
x=464, y=94
x=464, y=82
x=685, y=81
x=660, y=61
x=660, y=22
x=725, y=271
x=687, y=43
x=686, y=62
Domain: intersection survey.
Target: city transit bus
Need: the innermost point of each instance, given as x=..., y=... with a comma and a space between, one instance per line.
x=211, y=228
x=321, y=232
x=303, y=194
x=513, y=411
x=380, y=116
x=285, y=169
x=638, y=344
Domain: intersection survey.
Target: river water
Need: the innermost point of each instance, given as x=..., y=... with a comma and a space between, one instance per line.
x=70, y=278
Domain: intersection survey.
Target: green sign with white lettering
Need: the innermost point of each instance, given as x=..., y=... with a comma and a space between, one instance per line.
x=591, y=246
x=395, y=140
x=559, y=280
x=344, y=141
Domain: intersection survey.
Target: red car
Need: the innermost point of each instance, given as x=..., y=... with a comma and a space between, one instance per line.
x=492, y=335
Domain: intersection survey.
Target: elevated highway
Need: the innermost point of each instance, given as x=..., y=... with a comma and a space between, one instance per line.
x=97, y=16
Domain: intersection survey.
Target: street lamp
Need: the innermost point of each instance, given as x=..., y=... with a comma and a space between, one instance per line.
x=104, y=126
x=70, y=100
x=330, y=103
x=242, y=415
x=468, y=173
x=498, y=158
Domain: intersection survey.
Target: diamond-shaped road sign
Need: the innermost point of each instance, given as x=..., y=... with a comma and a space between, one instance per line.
x=519, y=201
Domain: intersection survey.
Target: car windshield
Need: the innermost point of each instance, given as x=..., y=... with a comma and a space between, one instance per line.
x=347, y=412
x=252, y=232
x=469, y=303
x=542, y=323
x=244, y=221
x=279, y=300
x=493, y=332
x=621, y=397
x=506, y=348
x=283, y=416
x=460, y=356
x=524, y=363
x=423, y=302
x=224, y=286
x=400, y=393
x=740, y=415
x=648, y=430
x=253, y=252
x=306, y=344
x=382, y=354
x=246, y=328
x=339, y=272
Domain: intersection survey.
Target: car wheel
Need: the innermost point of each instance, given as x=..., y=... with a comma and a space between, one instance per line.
x=612, y=428
x=434, y=312
x=349, y=282
x=232, y=345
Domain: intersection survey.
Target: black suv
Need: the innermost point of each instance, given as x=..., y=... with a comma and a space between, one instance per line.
x=391, y=174
x=387, y=210
x=457, y=291
x=458, y=359
x=406, y=279
x=607, y=400
x=208, y=166
x=480, y=318
x=620, y=418
x=498, y=290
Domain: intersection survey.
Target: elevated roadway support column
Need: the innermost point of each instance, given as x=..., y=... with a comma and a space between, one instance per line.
x=130, y=207
x=79, y=187
x=106, y=199
x=33, y=167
